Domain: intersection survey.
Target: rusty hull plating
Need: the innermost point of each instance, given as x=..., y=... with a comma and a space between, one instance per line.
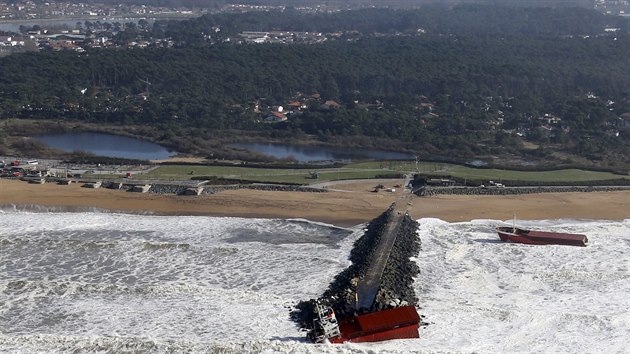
x=531, y=237
x=396, y=323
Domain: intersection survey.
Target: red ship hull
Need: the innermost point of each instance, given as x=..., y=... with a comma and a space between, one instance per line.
x=531, y=237
x=397, y=323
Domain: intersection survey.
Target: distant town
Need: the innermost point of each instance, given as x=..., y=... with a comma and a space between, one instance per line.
x=30, y=10
x=79, y=27
x=29, y=25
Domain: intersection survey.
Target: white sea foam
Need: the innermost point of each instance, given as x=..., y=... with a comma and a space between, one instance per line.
x=107, y=282
x=482, y=295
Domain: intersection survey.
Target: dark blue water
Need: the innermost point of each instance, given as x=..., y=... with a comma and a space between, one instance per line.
x=106, y=145
x=321, y=153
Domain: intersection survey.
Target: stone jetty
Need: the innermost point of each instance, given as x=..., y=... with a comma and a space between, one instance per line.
x=387, y=271
x=431, y=191
x=192, y=188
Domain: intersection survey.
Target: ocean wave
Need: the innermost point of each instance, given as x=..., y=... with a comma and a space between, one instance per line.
x=95, y=344
x=322, y=224
x=565, y=276
x=38, y=288
x=98, y=244
x=118, y=344
x=293, y=231
x=50, y=222
x=85, y=244
x=36, y=208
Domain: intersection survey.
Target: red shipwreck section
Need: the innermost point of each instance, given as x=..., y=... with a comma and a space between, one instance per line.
x=396, y=323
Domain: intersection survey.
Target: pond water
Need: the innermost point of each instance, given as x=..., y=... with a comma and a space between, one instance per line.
x=321, y=153
x=106, y=145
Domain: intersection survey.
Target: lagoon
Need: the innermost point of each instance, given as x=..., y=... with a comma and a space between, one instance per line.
x=106, y=145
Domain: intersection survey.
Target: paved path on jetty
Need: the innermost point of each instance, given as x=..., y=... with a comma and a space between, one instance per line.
x=369, y=285
x=371, y=282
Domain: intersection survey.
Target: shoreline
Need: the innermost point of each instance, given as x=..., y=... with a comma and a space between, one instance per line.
x=349, y=205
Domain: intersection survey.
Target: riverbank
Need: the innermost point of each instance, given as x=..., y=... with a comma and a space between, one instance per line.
x=347, y=205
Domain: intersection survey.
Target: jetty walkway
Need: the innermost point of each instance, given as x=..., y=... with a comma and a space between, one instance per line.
x=370, y=283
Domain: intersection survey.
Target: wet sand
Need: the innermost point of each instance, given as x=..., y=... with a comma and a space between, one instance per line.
x=347, y=205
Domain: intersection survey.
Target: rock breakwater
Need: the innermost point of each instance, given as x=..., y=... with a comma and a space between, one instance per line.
x=431, y=191
x=396, y=288
x=179, y=189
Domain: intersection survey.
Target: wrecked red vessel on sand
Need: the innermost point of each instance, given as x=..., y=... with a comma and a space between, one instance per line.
x=531, y=237
x=396, y=323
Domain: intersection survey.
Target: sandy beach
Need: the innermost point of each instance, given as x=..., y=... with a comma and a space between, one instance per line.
x=347, y=204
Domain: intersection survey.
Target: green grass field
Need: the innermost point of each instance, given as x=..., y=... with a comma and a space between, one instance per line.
x=300, y=176
x=371, y=170
x=440, y=169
